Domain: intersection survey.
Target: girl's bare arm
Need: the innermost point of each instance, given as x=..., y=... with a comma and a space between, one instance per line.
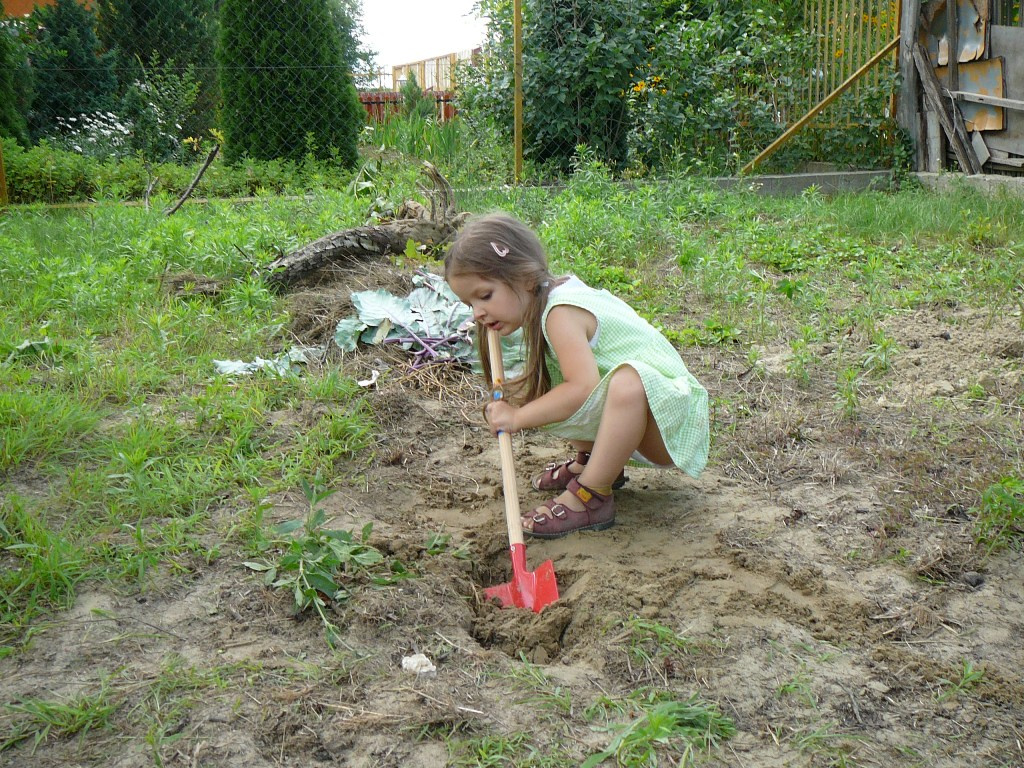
x=569, y=330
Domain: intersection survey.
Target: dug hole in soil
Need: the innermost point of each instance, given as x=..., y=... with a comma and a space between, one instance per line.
x=773, y=569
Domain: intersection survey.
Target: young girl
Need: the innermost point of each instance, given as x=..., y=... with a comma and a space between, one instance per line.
x=596, y=374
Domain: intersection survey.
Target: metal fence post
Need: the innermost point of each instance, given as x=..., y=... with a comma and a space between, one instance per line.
x=517, y=65
x=3, y=177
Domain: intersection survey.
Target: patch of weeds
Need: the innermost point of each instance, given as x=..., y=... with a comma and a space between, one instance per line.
x=48, y=566
x=970, y=676
x=790, y=288
x=39, y=719
x=538, y=688
x=714, y=333
x=35, y=423
x=169, y=699
x=659, y=724
x=800, y=360
x=836, y=747
x=337, y=435
x=999, y=522
x=799, y=686
x=654, y=646
x=319, y=565
x=439, y=543
x=879, y=355
x=512, y=751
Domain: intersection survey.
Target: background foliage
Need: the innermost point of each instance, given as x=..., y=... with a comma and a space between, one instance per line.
x=286, y=91
x=646, y=90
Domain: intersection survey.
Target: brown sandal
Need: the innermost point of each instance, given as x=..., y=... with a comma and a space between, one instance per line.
x=556, y=476
x=597, y=514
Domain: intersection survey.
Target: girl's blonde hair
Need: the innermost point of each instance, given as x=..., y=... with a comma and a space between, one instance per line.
x=500, y=247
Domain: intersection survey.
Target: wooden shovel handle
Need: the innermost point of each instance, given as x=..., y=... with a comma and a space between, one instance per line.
x=508, y=470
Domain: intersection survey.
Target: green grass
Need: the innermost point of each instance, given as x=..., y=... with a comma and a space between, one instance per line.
x=125, y=457
x=40, y=719
x=124, y=440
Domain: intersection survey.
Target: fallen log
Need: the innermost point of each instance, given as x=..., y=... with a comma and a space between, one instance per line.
x=432, y=227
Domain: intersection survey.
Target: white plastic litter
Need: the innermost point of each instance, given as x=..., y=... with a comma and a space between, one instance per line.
x=418, y=664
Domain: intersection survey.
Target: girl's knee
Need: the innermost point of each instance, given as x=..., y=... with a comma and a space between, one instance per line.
x=626, y=385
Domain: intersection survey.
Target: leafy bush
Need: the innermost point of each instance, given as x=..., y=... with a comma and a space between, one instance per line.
x=727, y=74
x=48, y=174
x=415, y=103
x=1000, y=515
x=15, y=86
x=149, y=36
x=575, y=78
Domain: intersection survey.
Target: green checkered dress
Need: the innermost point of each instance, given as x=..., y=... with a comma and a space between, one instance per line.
x=678, y=401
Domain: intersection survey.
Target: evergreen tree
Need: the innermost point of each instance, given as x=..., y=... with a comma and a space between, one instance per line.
x=285, y=85
x=72, y=76
x=15, y=86
x=176, y=37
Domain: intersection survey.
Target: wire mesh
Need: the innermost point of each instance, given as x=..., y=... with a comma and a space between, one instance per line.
x=159, y=79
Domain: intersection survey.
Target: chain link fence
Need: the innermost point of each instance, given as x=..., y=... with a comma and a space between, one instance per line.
x=610, y=82
x=119, y=78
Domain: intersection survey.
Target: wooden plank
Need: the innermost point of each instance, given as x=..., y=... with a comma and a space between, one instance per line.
x=1008, y=42
x=934, y=151
x=908, y=113
x=995, y=101
x=947, y=111
x=771, y=148
x=980, y=148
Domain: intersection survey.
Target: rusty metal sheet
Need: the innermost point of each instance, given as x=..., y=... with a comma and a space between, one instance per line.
x=973, y=18
x=984, y=77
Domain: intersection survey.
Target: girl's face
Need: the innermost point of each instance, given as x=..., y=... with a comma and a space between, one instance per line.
x=495, y=304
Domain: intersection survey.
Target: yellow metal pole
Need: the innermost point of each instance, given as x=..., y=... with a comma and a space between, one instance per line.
x=517, y=105
x=771, y=148
x=3, y=177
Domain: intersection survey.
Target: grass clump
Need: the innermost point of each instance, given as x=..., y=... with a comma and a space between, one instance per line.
x=40, y=719
x=659, y=723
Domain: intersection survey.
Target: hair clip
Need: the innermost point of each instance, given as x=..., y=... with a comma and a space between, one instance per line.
x=502, y=252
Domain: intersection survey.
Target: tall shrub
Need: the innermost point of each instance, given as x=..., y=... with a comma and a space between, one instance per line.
x=716, y=81
x=578, y=60
x=73, y=75
x=159, y=38
x=286, y=90
x=15, y=85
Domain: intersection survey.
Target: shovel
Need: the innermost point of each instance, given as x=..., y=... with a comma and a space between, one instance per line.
x=528, y=589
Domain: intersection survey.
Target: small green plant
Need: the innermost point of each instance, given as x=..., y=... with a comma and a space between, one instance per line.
x=878, y=357
x=320, y=566
x=662, y=724
x=799, y=686
x=489, y=751
x=838, y=748
x=848, y=392
x=538, y=689
x=968, y=679
x=999, y=521
x=650, y=639
x=800, y=360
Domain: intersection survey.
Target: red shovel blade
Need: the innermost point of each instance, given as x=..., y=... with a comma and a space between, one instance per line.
x=528, y=589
